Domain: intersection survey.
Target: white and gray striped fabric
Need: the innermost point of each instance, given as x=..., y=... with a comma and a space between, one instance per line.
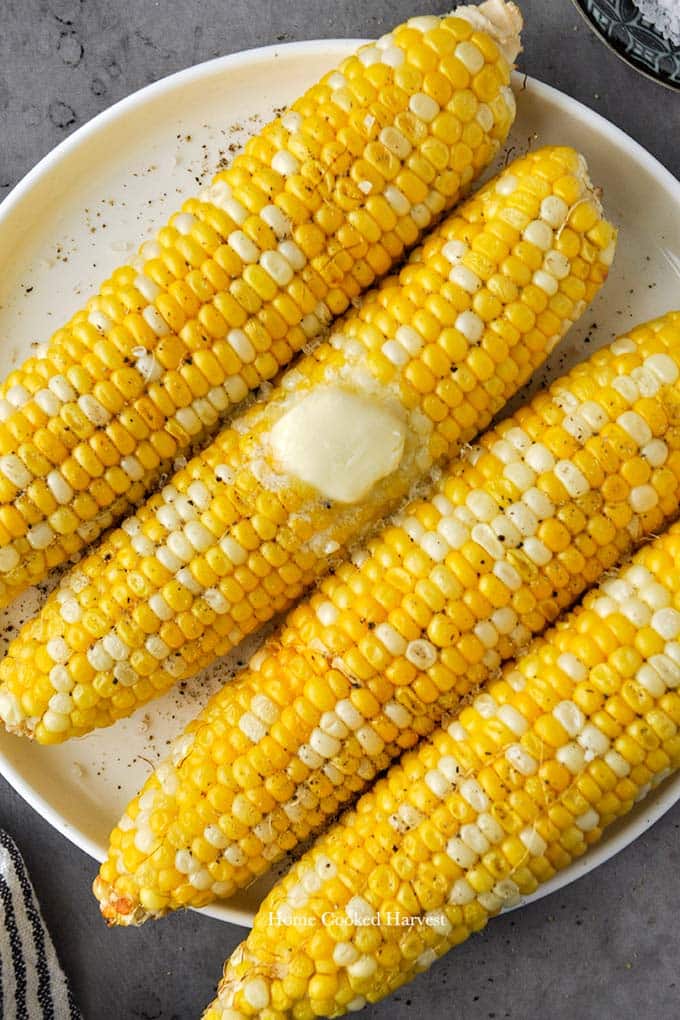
x=32, y=984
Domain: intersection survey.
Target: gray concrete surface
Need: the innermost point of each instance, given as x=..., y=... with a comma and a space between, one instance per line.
x=604, y=948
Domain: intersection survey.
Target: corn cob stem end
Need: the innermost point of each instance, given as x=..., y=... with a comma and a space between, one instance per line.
x=501, y=19
x=120, y=911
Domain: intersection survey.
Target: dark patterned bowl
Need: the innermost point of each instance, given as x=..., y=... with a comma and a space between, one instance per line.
x=620, y=24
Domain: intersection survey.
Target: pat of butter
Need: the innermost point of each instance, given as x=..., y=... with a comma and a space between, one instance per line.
x=339, y=442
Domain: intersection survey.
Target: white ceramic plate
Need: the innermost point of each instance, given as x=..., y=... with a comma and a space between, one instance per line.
x=70, y=221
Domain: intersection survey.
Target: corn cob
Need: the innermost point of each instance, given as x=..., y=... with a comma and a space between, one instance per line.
x=393, y=640
x=324, y=200
x=512, y=791
x=238, y=534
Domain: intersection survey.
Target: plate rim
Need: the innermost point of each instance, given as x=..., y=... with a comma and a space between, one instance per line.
x=667, y=796
x=622, y=54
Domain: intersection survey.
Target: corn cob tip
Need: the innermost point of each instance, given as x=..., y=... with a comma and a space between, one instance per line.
x=500, y=19
x=593, y=192
x=13, y=717
x=120, y=911
x=255, y=990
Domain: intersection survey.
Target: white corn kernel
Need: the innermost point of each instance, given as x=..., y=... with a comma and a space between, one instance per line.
x=332, y=724
x=534, y=842
x=246, y=249
x=324, y=744
x=554, y=210
x=454, y=251
x=277, y=267
x=470, y=325
x=470, y=56
x=482, y=505
x=617, y=763
x=236, y=553
x=399, y=715
x=284, y=163
x=663, y=367
x=588, y=821
x=573, y=667
x=40, y=536
x=277, y=220
x=424, y=22
x=155, y=320
x=544, y=281
x=198, y=536
x=507, y=185
x=570, y=716
x=424, y=107
x=593, y=741
x=93, y=410
x=395, y=142
x=557, y=264
x=625, y=386
x=655, y=453
x=391, y=639
x=409, y=339
x=461, y=893
x=509, y=576
x=397, y=200
x=486, y=538
x=539, y=233
x=523, y=519
x=256, y=993
x=472, y=792
x=160, y=607
x=369, y=740
x=474, y=838
x=636, y=427
x=349, y=714
x=643, y=498
x=54, y=722
x=465, y=278
x=520, y=475
x=15, y=470
x=460, y=853
x=453, y=532
x=571, y=756
x=521, y=760
x=666, y=622
x=421, y=653
x=648, y=678
x=513, y=719
x=395, y=353
x=573, y=480
x=437, y=782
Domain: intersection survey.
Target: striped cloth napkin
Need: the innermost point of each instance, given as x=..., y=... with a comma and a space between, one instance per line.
x=32, y=984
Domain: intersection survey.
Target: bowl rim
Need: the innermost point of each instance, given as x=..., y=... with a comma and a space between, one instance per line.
x=667, y=796
x=623, y=54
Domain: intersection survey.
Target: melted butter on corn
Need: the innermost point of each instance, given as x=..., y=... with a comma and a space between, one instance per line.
x=518, y=786
x=354, y=443
x=321, y=203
